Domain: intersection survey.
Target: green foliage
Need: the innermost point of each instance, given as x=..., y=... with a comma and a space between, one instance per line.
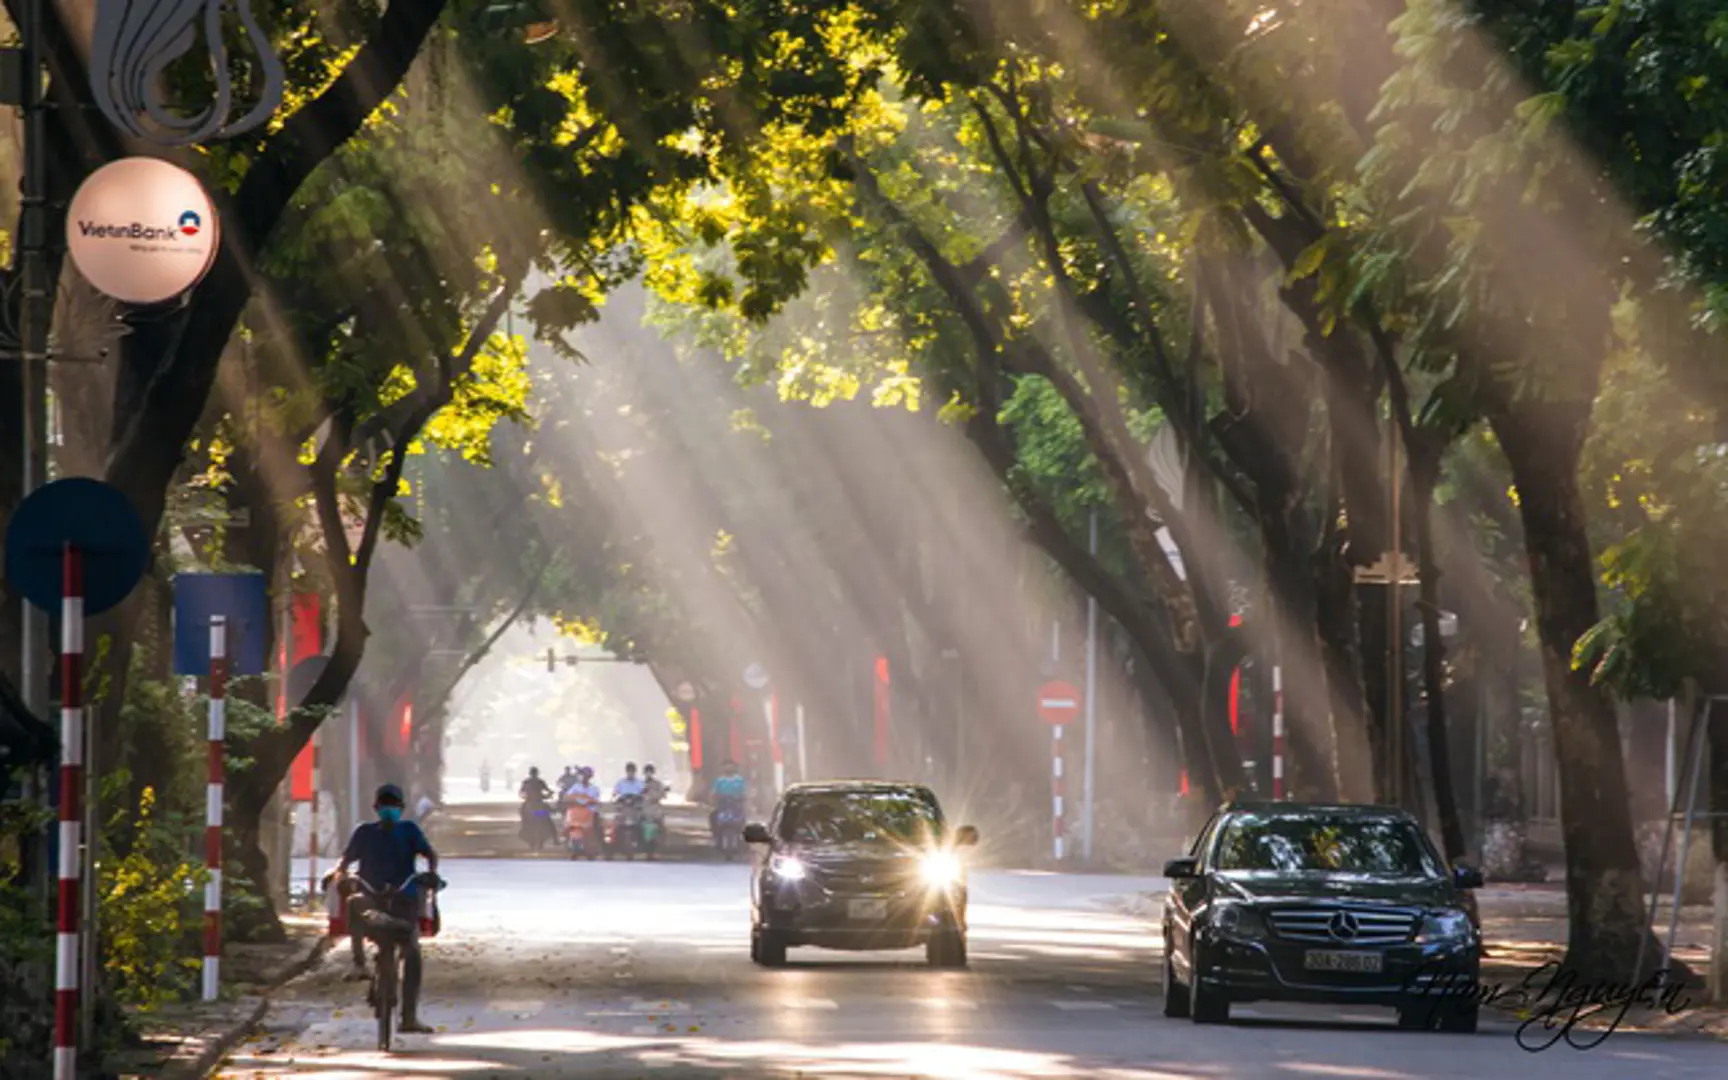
x=151, y=903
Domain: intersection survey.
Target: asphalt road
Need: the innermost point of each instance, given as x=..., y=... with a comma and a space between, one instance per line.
x=612, y=969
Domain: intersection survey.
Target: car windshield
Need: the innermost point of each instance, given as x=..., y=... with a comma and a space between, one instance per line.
x=861, y=817
x=1319, y=844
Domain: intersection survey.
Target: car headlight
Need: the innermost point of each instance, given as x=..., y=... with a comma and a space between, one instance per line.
x=786, y=868
x=1237, y=921
x=1440, y=926
x=942, y=869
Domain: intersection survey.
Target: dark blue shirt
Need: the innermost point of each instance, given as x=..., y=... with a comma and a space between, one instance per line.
x=385, y=856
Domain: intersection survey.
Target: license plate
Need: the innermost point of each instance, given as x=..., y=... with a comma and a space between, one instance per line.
x=867, y=909
x=1335, y=960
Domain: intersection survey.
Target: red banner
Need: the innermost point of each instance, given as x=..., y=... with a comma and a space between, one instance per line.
x=305, y=639
x=695, y=740
x=881, y=711
x=405, y=724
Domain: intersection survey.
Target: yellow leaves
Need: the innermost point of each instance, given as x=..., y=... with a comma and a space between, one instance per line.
x=956, y=411
x=552, y=489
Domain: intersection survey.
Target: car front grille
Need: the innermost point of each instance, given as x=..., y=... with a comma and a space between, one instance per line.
x=865, y=879
x=1344, y=926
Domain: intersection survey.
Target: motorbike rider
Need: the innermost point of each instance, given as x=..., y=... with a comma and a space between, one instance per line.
x=565, y=779
x=729, y=791
x=534, y=795
x=631, y=784
x=583, y=790
x=384, y=852
x=485, y=775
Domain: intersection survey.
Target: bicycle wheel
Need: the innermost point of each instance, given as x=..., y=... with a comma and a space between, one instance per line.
x=385, y=974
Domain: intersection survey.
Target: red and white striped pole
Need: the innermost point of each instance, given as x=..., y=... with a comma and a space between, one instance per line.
x=213, y=806
x=1277, y=733
x=1056, y=787
x=68, y=941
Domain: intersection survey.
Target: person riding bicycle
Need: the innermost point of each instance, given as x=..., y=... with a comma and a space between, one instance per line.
x=384, y=852
x=729, y=790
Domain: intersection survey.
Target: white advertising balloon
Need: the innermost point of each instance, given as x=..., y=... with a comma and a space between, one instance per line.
x=142, y=230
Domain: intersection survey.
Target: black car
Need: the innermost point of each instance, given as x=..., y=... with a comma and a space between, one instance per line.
x=858, y=865
x=1327, y=904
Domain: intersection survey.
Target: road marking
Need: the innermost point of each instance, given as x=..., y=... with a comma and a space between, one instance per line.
x=814, y=1003
x=949, y=1003
x=1077, y=1006
x=528, y=1008
x=659, y=1006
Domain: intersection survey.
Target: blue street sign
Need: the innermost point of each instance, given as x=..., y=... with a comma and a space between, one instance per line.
x=243, y=599
x=89, y=515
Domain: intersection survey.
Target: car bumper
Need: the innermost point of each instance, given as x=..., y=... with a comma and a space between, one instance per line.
x=826, y=920
x=1243, y=971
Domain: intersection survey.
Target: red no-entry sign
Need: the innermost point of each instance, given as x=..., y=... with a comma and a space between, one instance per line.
x=1058, y=703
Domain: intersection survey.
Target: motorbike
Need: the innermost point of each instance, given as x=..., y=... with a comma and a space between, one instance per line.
x=538, y=829
x=653, y=827
x=729, y=827
x=582, y=827
x=626, y=828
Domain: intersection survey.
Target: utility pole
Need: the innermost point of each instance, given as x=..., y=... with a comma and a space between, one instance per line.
x=1091, y=701
x=33, y=326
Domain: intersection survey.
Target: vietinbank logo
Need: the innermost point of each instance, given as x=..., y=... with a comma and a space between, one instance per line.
x=138, y=231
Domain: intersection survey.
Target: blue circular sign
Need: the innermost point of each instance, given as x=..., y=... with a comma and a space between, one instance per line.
x=93, y=517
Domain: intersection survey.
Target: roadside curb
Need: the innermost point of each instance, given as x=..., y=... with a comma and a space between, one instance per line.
x=217, y=1052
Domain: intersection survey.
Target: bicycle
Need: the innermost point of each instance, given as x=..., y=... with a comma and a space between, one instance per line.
x=390, y=933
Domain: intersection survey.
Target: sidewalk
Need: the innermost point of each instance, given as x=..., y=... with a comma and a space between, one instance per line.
x=186, y=1041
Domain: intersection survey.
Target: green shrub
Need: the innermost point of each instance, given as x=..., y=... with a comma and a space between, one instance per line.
x=151, y=901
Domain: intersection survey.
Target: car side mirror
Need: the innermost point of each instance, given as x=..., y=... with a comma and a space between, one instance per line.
x=1466, y=877
x=965, y=836
x=756, y=834
x=1185, y=867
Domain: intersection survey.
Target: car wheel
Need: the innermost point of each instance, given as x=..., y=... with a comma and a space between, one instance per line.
x=946, y=950
x=771, y=949
x=1175, y=994
x=755, y=945
x=1460, y=1020
x=1205, y=1006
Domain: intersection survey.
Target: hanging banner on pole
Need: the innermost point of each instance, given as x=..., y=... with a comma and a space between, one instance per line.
x=306, y=641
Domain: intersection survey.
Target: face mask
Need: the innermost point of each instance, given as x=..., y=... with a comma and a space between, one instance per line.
x=389, y=813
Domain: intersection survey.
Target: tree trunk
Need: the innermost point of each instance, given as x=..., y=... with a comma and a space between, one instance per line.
x=1434, y=660
x=1605, y=904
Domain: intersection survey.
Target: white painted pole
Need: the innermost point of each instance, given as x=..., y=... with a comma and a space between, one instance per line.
x=1091, y=698
x=354, y=804
x=803, y=753
x=1668, y=771
x=1056, y=788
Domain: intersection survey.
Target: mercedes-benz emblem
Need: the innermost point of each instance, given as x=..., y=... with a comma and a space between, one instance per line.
x=1344, y=926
